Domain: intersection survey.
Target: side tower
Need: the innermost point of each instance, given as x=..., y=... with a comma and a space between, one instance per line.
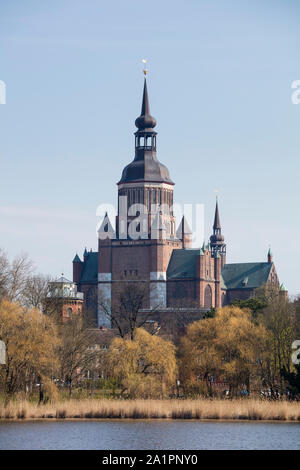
x=218, y=246
x=142, y=244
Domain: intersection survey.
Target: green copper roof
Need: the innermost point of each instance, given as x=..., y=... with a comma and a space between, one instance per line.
x=182, y=264
x=90, y=268
x=234, y=275
x=282, y=287
x=76, y=259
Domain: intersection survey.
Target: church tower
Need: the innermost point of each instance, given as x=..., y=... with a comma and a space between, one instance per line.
x=145, y=235
x=146, y=182
x=217, y=244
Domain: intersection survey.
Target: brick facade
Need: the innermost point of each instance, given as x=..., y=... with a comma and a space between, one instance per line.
x=146, y=246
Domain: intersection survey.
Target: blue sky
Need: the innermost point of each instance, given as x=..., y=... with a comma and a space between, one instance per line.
x=220, y=88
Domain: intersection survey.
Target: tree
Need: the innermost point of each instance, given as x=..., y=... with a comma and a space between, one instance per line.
x=226, y=346
x=76, y=353
x=126, y=313
x=254, y=304
x=279, y=320
x=144, y=366
x=14, y=275
x=31, y=343
x=293, y=381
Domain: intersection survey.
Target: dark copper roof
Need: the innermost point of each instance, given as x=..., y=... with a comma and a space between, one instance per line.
x=147, y=168
x=145, y=120
x=217, y=223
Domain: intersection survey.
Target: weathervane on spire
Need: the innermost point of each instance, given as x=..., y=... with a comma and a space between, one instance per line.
x=145, y=71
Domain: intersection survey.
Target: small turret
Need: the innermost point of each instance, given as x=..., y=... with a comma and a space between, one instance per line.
x=184, y=233
x=77, y=269
x=283, y=292
x=106, y=229
x=270, y=256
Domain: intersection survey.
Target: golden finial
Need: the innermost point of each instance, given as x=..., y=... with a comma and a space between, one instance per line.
x=145, y=71
x=217, y=193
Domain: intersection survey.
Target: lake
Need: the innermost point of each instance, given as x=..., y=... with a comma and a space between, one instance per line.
x=146, y=435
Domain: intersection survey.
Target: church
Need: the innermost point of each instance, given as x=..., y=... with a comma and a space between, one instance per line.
x=147, y=246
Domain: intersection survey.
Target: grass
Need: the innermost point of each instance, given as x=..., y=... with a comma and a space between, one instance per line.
x=246, y=409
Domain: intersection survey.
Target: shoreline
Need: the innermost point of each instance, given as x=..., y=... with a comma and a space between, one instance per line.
x=168, y=409
x=204, y=420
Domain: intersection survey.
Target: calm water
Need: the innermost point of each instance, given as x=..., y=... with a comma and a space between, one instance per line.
x=147, y=435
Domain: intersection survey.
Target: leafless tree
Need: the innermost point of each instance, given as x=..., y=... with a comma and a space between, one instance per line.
x=76, y=350
x=128, y=312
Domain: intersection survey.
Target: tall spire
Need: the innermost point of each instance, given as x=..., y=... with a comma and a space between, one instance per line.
x=217, y=223
x=217, y=239
x=145, y=104
x=145, y=121
x=145, y=166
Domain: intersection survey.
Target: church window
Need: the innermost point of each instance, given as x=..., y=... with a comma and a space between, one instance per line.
x=207, y=297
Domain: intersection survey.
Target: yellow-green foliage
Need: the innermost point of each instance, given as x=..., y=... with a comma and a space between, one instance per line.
x=30, y=340
x=226, y=346
x=144, y=366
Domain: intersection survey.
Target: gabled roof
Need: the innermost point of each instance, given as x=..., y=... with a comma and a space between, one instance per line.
x=245, y=275
x=90, y=268
x=182, y=264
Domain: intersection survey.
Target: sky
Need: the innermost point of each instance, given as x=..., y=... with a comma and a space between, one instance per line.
x=219, y=83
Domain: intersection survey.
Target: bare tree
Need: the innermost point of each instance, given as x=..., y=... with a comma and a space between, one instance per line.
x=128, y=311
x=76, y=351
x=13, y=275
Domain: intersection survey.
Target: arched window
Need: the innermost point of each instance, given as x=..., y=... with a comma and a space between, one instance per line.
x=207, y=297
x=69, y=312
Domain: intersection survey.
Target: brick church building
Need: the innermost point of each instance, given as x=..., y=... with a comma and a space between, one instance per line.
x=147, y=247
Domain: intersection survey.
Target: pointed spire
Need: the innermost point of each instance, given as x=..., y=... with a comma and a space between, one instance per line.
x=217, y=223
x=183, y=228
x=106, y=229
x=184, y=233
x=76, y=259
x=85, y=253
x=145, y=104
x=145, y=120
x=217, y=239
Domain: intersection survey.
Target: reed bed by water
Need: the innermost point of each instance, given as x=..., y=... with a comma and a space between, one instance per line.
x=246, y=409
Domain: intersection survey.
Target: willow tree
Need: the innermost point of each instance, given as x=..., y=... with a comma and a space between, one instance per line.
x=144, y=366
x=228, y=347
x=31, y=341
